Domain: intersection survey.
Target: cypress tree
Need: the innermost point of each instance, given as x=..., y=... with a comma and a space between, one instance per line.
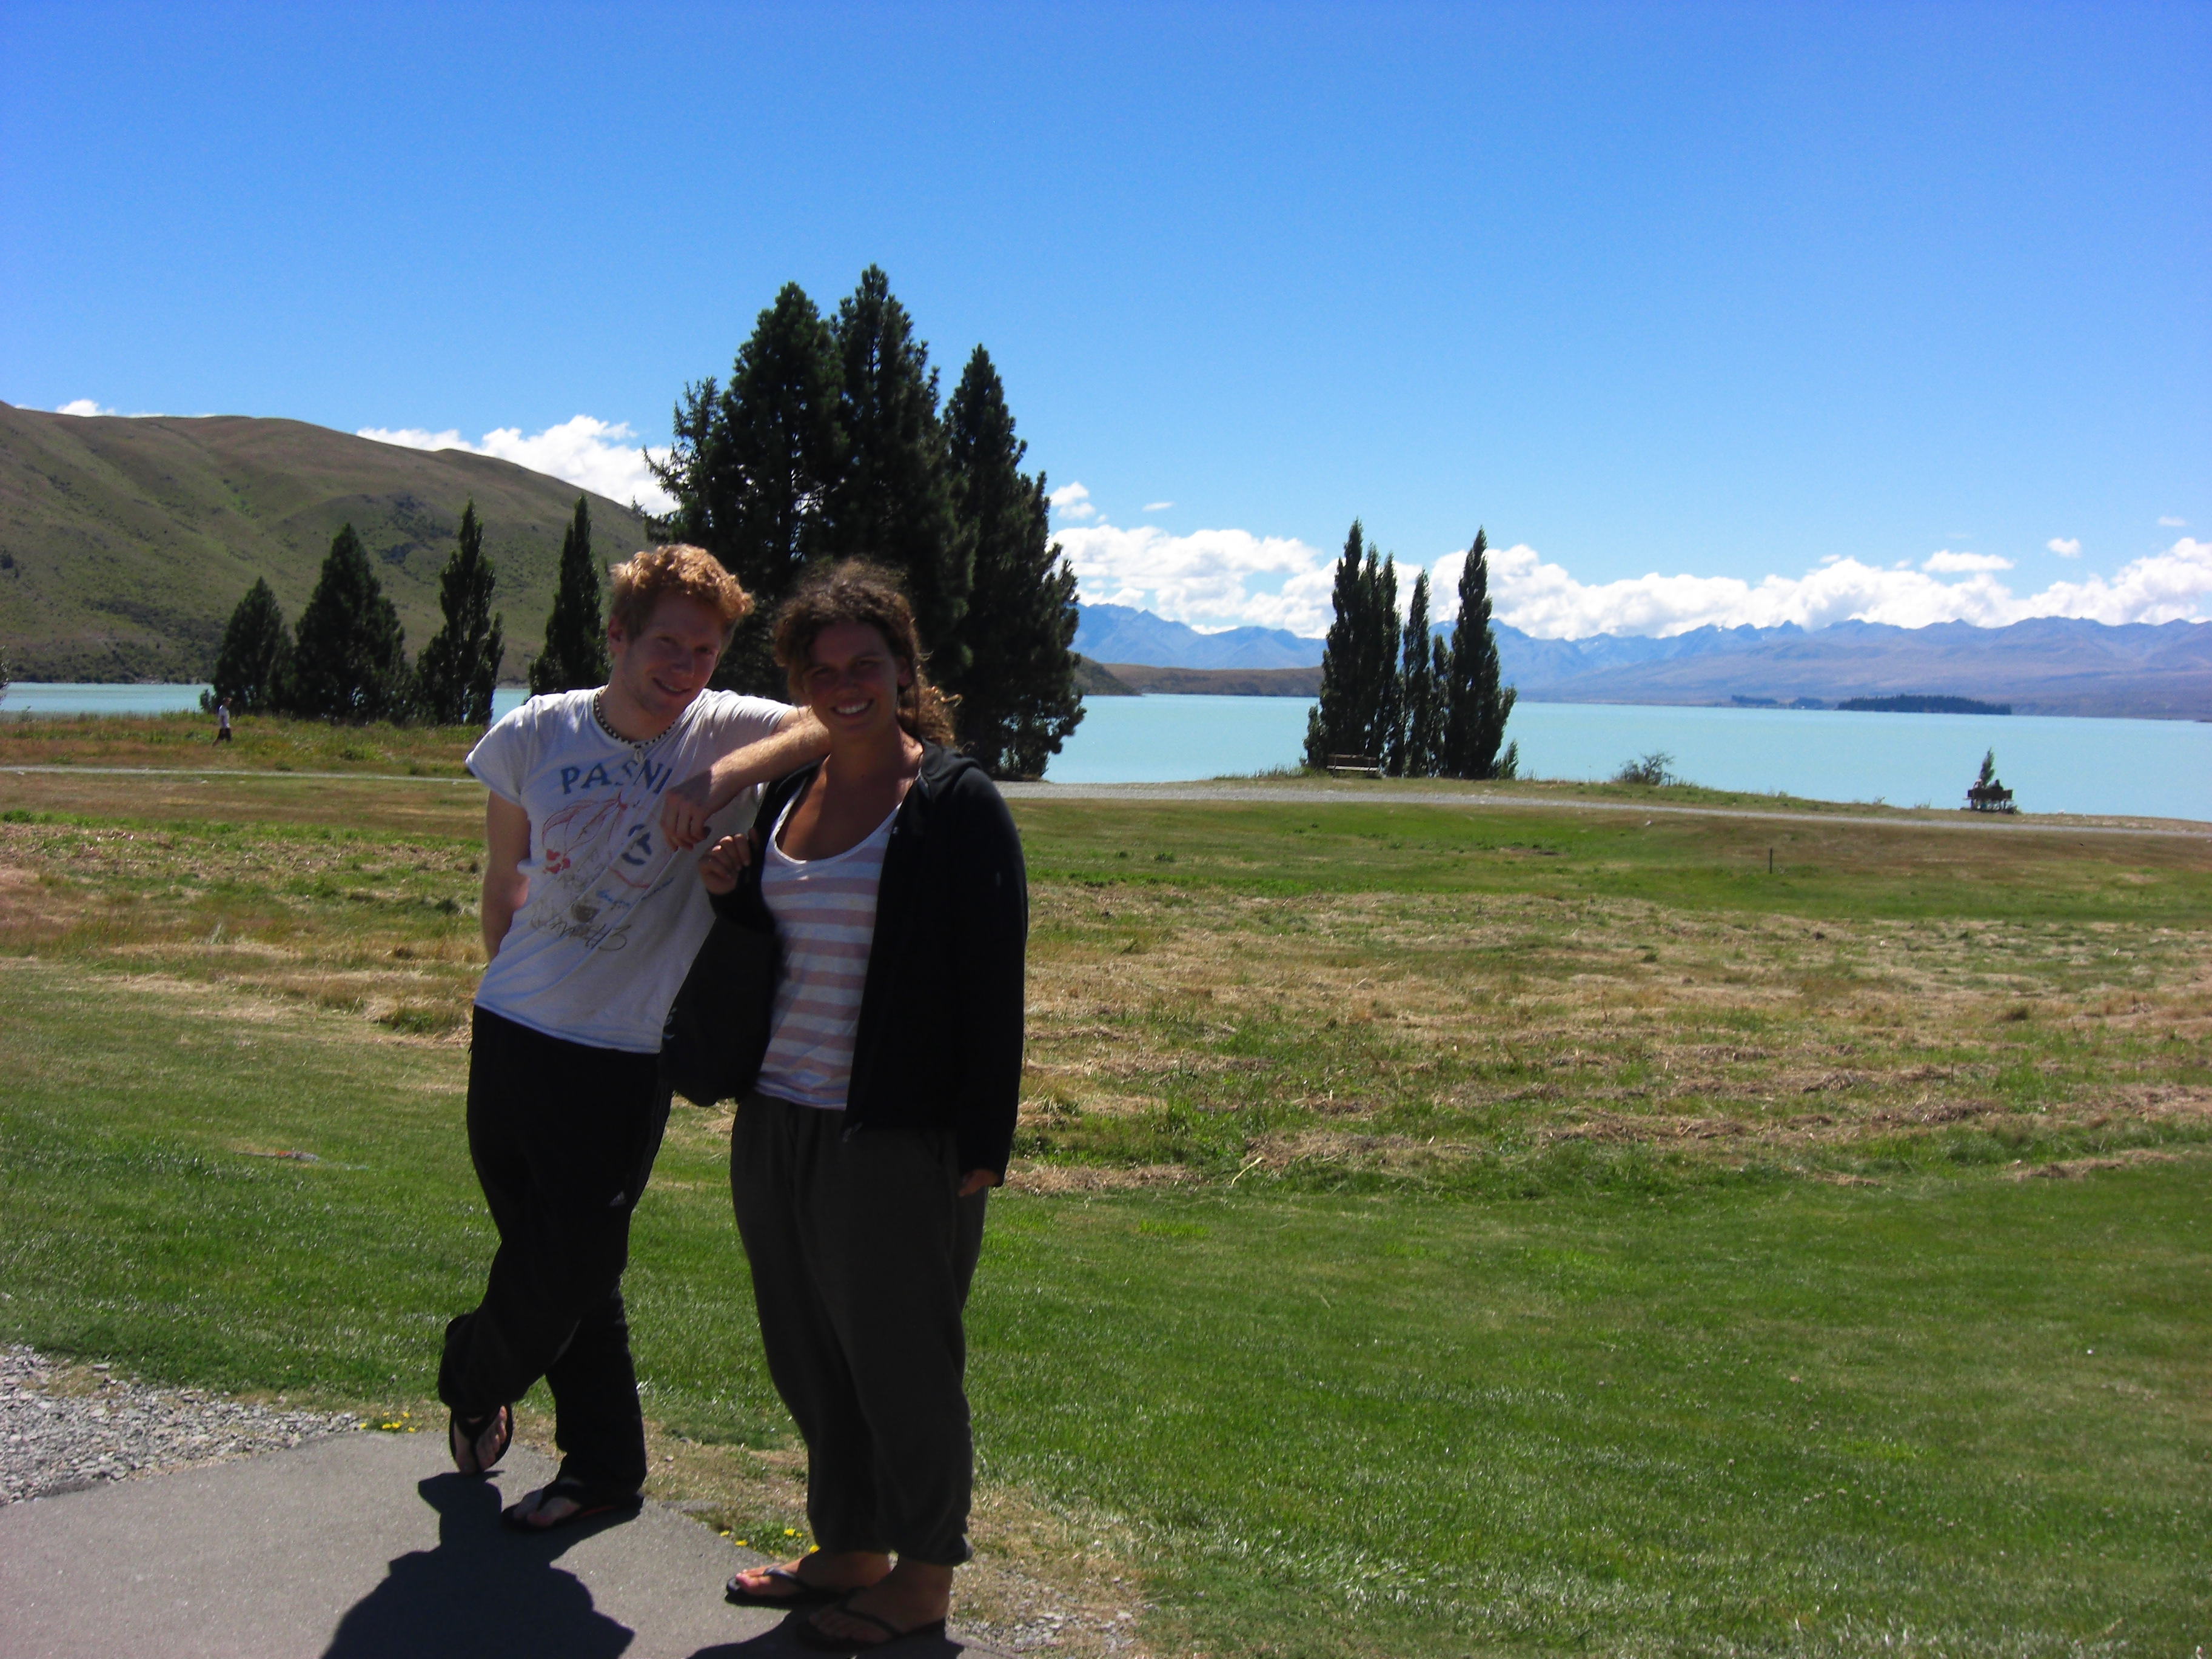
x=1424, y=705
x=752, y=467
x=1338, y=724
x=1440, y=682
x=892, y=499
x=1386, y=735
x=458, y=669
x=1476, y=709
x=250, y=668
x=349, y=661
x=1018, y=700
x=575, y=655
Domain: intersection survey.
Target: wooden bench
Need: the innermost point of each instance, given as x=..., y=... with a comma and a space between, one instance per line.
x=1354, y=766
x=1989, y=797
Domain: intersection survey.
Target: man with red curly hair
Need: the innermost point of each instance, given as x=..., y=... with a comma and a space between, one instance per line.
x=590, y=920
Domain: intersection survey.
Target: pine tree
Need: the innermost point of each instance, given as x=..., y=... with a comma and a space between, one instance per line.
x=752, y=467
x=349, y=661
x=1339, y=722
x=1476, y=709
x=575, y=655
x=892, y=499
x=1424, y=703
x=1018, y=700
x=250, y=668
x=457, y=671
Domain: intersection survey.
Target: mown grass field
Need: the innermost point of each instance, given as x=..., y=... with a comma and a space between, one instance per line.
x=1437, y=1230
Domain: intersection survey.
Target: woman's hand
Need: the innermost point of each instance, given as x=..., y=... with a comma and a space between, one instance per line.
x=977, y=1180
x=720, y=865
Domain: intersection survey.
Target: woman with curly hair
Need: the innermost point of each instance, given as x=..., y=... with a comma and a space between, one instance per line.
x=884, y=1112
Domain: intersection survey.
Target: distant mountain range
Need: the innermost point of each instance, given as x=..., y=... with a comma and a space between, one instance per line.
x=1116, y=633
x=2051, y=666
x=124, y=544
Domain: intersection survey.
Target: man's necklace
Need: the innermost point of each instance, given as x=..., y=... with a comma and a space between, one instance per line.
x=599, y=713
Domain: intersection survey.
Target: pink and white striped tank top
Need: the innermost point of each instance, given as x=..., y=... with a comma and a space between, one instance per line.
x=825, y=920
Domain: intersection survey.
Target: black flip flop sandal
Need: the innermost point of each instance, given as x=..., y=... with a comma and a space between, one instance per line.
x=800, y=1595
x=588, y=1503
x=813, y=1635
x=462, y=1431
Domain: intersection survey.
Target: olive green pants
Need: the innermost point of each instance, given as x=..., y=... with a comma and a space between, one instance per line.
x=862, y=1252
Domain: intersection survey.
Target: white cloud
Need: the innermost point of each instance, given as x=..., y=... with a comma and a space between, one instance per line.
x=592, y=454
x=1544, y=599
x=2066, y=547
x=1072, y=501
x=88, y=406
x=1210, y=579
x=2173, y=523
x=1217, y=579
x=1945, y=562
x=1157, y=507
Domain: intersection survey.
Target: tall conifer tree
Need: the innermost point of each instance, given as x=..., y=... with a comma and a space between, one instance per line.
x=1339, y=722
x=1018, y=700
x=892, y=499
x=1476, y=708
x=1439, y=684
x=752, y=468
x=1386, y=732
x=1424, y=704
x=257, y=650
x=348, y=662
x=575, y=655
x=460, y=667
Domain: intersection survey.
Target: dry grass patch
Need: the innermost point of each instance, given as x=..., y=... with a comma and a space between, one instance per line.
x=1350, y=1028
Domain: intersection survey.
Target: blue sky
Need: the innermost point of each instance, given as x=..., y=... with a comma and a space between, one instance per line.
x=1755, y=312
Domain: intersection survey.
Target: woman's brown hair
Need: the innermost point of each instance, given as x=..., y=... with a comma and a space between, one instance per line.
x=857, y=590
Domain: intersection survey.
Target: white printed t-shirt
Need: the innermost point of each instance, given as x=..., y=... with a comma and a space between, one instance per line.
x=614, y=915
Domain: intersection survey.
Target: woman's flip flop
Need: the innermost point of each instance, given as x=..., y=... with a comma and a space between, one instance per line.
x=800, y=1594
x=813, y=1635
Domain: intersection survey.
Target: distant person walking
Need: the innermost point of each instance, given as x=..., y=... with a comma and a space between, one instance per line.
x=860, y=1162
x=222, y=721
x=590, y=921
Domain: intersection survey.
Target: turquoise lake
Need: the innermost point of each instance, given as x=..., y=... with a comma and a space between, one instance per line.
x=2159, y=768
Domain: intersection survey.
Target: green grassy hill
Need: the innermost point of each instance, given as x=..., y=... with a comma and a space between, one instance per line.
x=126, y=543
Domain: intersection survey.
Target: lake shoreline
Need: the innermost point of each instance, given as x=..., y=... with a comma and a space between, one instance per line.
x=2089, y=766
x=1280, y=685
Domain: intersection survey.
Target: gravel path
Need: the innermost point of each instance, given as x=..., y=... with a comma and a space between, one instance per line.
x=65, y=1427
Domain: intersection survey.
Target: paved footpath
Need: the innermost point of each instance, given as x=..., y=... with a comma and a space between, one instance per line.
x=367, y=1546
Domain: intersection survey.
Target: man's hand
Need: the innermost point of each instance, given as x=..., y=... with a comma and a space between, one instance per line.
x=719, y=865
x=684, y=811
x=686, y=806
x=977, y=1180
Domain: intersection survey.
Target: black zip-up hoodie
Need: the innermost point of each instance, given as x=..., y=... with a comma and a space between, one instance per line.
x=939, y=1044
